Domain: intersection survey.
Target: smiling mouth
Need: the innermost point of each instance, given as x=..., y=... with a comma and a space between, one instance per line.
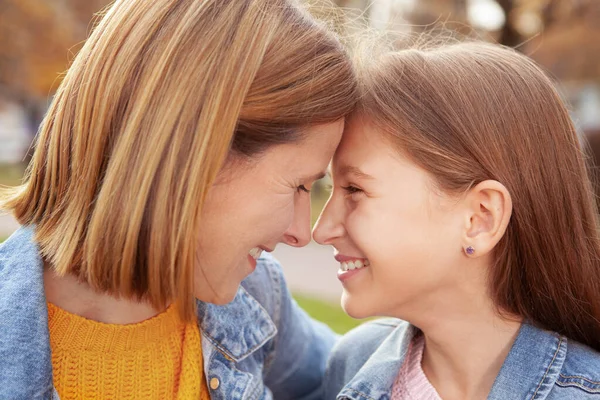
x=256, y=252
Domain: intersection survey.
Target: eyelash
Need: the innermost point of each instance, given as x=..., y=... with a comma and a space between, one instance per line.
x=351, y=189
x=303, y=188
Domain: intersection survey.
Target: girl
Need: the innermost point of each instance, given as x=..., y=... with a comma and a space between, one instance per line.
x=461, y=204
x=179, y=149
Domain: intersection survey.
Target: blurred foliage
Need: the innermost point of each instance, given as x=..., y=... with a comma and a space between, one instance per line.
x=329, y=313
x=37, y=41
x=39, y=38
x=562, y=35
x=11, y=174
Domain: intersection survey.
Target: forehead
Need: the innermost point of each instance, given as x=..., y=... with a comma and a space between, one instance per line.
x=311, y=154
x=362, y=144
x=323, y=136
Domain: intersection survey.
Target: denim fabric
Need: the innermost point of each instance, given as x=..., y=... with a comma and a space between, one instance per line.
x=540, y=365
x=259, y=346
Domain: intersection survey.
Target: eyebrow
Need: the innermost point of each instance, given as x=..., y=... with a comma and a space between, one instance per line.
x=352, y=170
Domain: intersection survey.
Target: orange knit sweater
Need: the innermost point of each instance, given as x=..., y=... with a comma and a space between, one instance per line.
x=160, y=358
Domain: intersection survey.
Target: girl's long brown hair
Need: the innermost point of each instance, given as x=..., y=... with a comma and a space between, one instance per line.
x=472, y=111
x=157, y=98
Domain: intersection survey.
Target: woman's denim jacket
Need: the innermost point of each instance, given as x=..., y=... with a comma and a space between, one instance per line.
x=540, y=365
x=260, y=346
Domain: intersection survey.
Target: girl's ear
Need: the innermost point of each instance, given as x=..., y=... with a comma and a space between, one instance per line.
x=489, y=207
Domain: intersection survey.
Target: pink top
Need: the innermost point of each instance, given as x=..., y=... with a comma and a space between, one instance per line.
x=411, y=382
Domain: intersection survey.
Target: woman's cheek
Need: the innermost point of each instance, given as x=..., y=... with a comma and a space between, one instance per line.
x=284, y=218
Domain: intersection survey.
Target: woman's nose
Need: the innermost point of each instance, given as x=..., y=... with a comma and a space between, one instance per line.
x=298, y=233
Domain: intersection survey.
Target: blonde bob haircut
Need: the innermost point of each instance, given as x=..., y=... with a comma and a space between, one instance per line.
x=161, y=93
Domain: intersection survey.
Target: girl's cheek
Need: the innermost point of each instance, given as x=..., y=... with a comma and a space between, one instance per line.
x=356, y=225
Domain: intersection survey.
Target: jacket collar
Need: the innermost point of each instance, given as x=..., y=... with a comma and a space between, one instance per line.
x=529, y=371
x=376, y=377
x=532, y=366
x=236, y=329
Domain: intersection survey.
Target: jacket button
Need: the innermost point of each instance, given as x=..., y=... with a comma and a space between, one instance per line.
x=215, y=383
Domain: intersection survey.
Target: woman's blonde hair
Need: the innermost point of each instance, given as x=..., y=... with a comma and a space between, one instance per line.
x=144, y=119
x=472, y=111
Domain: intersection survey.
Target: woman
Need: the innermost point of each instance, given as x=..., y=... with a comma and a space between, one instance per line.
x=179, y=149
x=462, y=205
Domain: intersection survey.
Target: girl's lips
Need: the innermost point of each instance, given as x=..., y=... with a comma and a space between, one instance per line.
x=345, y=273
x=343, y=276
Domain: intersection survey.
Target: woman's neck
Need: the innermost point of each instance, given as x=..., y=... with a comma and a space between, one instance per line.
x=79, y=298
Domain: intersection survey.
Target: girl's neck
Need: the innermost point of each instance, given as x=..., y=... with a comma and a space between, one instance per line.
x=463, y=359
x=78, y=298
x=466, y=341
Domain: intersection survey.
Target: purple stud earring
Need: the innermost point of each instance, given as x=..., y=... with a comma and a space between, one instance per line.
x=470, y=250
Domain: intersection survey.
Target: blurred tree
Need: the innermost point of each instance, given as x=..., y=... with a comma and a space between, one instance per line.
x=569, y=45
x=426, y=14
x=560, y=34
x=37, y=42
x=38, y=38
x=510, y=35
x=34, y=38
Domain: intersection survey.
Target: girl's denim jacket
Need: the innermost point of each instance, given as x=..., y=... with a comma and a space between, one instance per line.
x=540, y=365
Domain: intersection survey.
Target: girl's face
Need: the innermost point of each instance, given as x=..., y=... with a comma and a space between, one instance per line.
x=255, y=205
x=385, y=212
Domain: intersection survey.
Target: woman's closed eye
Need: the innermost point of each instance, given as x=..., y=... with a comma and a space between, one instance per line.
x=303, y=188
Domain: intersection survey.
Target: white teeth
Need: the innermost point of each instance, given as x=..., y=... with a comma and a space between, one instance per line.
x=356, y=264
x=255, y=253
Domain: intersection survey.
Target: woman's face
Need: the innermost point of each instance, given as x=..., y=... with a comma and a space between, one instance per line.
x=255, y=205
x=385, y=212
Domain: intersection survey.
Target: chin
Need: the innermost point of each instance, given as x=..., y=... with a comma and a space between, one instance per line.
x=355, y=308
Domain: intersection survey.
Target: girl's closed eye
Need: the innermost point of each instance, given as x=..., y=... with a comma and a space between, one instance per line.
x=352, y=192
